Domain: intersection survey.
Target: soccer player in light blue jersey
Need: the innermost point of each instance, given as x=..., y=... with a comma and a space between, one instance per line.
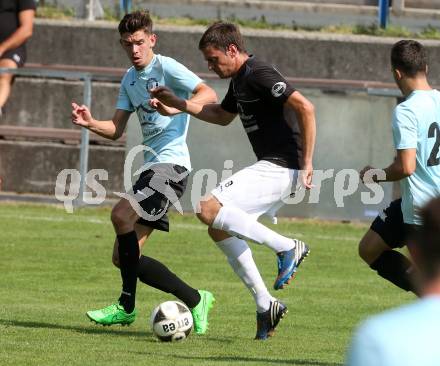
x=164, y=133
x=416, y=135
x=408, y=336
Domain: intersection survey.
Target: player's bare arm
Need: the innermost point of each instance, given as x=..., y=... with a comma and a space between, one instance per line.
x=111, y=129
x=305, y=113
x=23, y=32
x=211, y=113
x=202, y=94
x=403, y=166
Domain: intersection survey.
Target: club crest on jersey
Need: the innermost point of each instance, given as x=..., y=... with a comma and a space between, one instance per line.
x=278, y=89
x=152, y=83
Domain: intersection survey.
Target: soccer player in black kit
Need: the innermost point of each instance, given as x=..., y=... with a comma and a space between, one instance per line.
x=280, y=124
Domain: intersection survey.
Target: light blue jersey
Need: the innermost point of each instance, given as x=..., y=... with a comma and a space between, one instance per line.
x=165, y=135
x=416, y=125
x=407, y=336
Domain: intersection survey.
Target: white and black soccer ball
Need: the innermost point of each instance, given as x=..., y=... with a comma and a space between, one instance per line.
x=171, y=321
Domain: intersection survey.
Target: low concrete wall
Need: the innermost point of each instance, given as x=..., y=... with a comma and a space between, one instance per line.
x=33, y=167
x=47, y=102
x=296, y=54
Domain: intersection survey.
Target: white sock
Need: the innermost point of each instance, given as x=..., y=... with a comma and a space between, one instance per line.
x=236, y=222
x=240, y=258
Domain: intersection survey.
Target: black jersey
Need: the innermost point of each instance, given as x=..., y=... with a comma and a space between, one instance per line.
x=9, y=10
x=258, y=93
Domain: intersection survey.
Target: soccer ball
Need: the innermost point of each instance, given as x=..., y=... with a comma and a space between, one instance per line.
x=171, y=321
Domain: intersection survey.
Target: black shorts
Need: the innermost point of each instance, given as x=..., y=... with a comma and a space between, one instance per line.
x=391, y=228
x=162, y=190
x=18, y=55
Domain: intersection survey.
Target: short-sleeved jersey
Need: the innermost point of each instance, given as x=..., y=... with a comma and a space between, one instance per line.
x=165, y=135
x=258, y=93
x=416, y=125
x=9, y=10
x=407, y=336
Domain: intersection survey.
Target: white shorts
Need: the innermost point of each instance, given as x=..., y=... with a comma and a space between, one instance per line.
x=258, y=189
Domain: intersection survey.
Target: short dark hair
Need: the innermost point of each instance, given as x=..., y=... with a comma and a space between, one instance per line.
x=428, y=245
x=221, y=35
x=409, y=57
x=138, y=20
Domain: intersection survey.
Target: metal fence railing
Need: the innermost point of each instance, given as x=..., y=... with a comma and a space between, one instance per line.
x=86, y=77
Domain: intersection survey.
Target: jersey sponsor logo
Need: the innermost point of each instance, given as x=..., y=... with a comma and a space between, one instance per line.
x=145, y=107
x=246, y=118
x=278, y=89
x=251, y=129
x=150, y=132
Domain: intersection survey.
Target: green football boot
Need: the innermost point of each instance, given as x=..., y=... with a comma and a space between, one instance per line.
x=112, y=314
x=200, y=312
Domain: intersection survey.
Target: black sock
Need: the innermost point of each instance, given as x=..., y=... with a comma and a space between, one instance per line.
x=157, y=275
x=394, y=266
x=129, y=262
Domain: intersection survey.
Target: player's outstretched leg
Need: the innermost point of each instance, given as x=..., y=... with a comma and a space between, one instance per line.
x=268, y=321
x=236, y=222
x=288, y=263
x=112, y=314
x=201, y=310
x=157, y=275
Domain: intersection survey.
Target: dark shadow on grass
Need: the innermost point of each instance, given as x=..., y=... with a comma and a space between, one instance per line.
x=98, y=329
x=86, y=330
x=263, y=361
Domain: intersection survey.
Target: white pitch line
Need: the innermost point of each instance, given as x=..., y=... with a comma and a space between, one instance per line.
x=322, y=237
x=55, y=219
x=198, y=227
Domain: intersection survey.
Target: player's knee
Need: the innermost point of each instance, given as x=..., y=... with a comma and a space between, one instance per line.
x=201, y=216
x=367, y=251
x=207, y=212
x=118, y=217
x=5, y=78
x=212, y=233
x=217, y=235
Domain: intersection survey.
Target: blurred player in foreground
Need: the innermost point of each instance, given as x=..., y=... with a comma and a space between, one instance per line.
x=408, y=336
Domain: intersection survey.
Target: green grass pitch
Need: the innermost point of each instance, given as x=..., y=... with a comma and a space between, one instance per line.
x=55, y=266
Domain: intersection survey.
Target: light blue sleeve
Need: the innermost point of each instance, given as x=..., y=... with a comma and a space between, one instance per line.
x=177, y=76
x=364, y=349
x=124, y=101
x=404, y=129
